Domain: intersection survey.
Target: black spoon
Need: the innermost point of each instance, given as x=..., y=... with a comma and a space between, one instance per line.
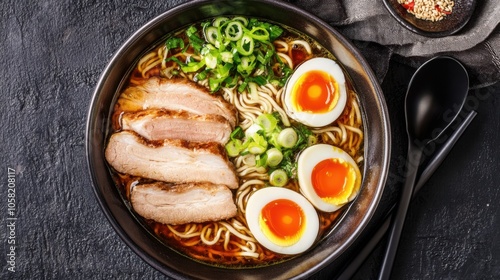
x=435, y=96
x=439, y=156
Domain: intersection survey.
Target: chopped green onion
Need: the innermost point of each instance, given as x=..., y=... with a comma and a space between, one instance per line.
x=287, y=138
x=246, y=66
x=226, y=57
x=261, y=160
x=242, y=87
x=231, y=81
x=174, y=42
x=195, y=41
x=311, y=140
x=274, y=157
x=243, y=20
x=210, y=61
x=176, y=60
x=233, y=147
x=270, y=145
x=232, y=51
x=274, y=32
x=274, y=140
x=260, y=140
x=191, y=30
x=200, y=76
x=256, y=149
x=275, y=82
x=303, y=136
x=237, y=133
x=234, y=30
x=278, y=178
x=277, y=116
x=259, y=80
x=214, y=84
x=252, y=130
x=290, y=167
x=212, y=35
x=267, y=121
x=245, y=45
x=259, y=33
x=219, y=21
x=254, y=94
x=193, y=66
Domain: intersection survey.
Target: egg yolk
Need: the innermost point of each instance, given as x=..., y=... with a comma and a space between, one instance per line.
x=315, y=92
x=282, y=221
x=333, y=180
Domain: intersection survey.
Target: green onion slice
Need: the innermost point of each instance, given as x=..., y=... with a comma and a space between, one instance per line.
x=259, y=33
x=219, y=21
x=278, y=178
x=274, y=157
x=268, y=122
x=245, y=45
x=241, y=19
x=233, y=147
x=256, y=149
x=212, y=35
x=234, y=30
x=287, y=137
x=193, y=66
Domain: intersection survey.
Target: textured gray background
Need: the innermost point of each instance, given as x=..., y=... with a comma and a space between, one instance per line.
x=51, y=55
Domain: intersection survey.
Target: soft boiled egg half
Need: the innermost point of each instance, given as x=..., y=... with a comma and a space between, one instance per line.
x=282, y=220
x=328, y=177
x=315, y=94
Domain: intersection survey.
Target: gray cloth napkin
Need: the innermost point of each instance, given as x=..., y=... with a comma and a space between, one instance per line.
x=380, y=37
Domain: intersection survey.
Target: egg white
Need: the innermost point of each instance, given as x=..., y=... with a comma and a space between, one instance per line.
x=317, y=119
x=308, y=159
x=261, y=198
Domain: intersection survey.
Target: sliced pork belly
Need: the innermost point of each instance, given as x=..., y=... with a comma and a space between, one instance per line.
x=178, y=95
x=183, y=203
x=159, y=124
x=170, y=160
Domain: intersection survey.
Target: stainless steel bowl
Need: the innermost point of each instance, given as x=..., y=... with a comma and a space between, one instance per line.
x=376, y=126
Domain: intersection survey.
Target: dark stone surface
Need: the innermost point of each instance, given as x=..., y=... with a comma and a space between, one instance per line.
x=52, y=54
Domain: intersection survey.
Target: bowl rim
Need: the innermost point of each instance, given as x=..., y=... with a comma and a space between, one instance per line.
x=95, y=108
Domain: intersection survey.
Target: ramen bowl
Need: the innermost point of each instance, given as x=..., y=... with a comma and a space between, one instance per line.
x=354, y=217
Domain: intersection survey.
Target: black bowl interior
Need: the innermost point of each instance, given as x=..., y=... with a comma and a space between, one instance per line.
x=377, y=141
x=451, y=24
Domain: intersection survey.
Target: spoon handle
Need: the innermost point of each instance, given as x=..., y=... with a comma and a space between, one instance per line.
x=434, y=163
x=413, y=161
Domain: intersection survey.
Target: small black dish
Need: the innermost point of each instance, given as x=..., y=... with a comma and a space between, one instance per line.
x=450, y=24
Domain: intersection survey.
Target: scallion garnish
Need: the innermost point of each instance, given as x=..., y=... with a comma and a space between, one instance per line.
x=230, y=51
x=273, y=145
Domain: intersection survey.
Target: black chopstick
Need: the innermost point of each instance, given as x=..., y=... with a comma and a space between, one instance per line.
x=433, y=164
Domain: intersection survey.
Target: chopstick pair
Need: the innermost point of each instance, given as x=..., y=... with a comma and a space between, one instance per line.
x=433, y=164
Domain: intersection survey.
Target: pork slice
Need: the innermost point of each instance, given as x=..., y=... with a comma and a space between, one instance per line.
x=159, y=124
x=170, y=160
x=178, y=95
x=183, y=203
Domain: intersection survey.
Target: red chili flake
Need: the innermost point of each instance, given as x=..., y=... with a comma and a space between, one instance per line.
x=409, y=6
x=441, y=10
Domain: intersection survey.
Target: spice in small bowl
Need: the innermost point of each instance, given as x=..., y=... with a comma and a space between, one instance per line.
x=431, y=10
